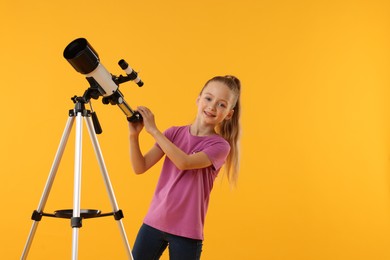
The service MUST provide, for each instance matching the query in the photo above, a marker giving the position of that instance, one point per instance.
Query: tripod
(76, 214)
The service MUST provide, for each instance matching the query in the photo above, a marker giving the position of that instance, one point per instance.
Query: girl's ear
(230, 115)
(197, 100)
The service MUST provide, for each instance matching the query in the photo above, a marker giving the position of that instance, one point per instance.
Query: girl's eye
(222, 105)
(208, 98)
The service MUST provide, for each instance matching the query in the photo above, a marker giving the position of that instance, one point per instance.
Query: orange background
(314, 181)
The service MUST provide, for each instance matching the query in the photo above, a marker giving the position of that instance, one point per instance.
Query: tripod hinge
(37, 216)
(118, 215)
(84, 112)
(76, 222)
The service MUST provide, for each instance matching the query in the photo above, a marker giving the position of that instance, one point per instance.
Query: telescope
(85, 60)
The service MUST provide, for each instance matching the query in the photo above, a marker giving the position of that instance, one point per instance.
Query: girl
(194, 155)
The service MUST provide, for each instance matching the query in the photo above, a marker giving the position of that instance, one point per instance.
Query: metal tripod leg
(107, 182)
(77, 186)
(49, 183)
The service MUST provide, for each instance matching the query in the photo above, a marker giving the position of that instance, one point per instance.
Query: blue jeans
(151, 243)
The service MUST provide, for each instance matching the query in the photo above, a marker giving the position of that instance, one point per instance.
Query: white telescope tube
(104, 78)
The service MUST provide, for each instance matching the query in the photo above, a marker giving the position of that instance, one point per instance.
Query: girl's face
(215, 103)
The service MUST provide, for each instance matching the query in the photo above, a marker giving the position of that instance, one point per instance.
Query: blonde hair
(230, 129)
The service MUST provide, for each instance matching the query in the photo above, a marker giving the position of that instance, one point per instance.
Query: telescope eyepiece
(133, 75)
(123, 64)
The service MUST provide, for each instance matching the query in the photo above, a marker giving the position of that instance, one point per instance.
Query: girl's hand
(135, 128)
(148, 120)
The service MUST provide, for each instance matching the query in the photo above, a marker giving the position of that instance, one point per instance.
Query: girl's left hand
(148, 119)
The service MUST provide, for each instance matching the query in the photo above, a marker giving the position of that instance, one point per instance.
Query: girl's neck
(201, 130)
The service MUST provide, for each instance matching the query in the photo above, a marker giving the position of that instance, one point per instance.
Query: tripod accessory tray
(76, 221)
(84, 213)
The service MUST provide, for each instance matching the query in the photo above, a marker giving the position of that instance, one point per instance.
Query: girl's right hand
(135, 128)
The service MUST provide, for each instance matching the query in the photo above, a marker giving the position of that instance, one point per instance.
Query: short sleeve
(168, 134)
(217, 152)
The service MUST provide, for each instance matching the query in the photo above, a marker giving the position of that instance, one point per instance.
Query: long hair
(230, 129)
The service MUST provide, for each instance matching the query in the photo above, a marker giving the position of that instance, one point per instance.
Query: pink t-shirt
(181, 198)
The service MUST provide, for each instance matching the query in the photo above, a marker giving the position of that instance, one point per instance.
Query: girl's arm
(141, 163)
(181, 160)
